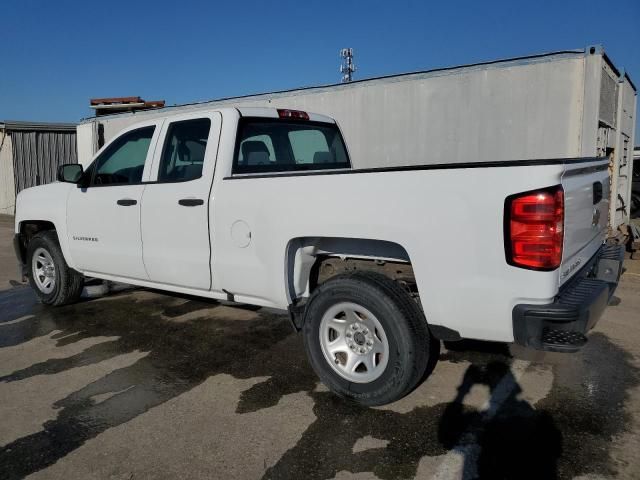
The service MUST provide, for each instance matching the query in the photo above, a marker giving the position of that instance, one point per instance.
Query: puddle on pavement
(567, 433)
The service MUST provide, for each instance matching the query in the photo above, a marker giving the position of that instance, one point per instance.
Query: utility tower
(347, 67)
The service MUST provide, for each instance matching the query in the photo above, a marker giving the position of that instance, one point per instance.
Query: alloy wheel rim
(44, 270)
(354, 343)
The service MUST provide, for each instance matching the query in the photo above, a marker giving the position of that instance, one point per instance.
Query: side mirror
(70, 172)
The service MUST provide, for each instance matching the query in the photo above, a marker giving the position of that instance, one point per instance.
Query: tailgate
(586, 208)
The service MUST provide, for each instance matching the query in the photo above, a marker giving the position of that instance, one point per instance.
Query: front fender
(46, 203)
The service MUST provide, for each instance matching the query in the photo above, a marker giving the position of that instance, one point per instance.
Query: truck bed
(397, 205)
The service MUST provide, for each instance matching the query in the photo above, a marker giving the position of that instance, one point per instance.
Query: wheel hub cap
(359, 338)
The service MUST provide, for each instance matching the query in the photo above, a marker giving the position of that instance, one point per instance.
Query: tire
(389, 327)
(49, 275)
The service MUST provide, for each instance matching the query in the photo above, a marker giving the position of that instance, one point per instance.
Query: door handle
(126, 202)
(190, 202)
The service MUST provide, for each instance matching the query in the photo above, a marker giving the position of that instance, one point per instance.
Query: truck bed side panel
(450, 222)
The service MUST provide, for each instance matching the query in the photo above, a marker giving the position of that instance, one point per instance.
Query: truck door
(103, 219)
(175, 204)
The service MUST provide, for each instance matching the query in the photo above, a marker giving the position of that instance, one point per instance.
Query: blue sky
(58, 54)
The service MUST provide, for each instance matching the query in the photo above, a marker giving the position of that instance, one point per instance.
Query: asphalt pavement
(146, 385)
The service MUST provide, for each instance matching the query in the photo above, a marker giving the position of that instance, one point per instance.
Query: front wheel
(366, 338)
(49, 275)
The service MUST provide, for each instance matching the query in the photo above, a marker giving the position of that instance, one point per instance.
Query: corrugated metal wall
(37, 155)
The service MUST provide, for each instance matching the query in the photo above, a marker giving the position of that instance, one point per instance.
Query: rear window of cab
(266, 145)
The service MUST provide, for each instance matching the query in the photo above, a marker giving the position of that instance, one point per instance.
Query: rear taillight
(534, 224)
(297, 114)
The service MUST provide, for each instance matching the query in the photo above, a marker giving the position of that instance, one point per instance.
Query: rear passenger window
(269, 145)
(307, 144)
(184, 148)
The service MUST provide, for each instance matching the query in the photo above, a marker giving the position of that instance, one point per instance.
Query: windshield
(271, 145)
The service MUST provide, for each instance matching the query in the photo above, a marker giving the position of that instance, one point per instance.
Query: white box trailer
(568, 104)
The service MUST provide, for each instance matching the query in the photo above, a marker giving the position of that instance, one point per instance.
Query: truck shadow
(509, 440)
(568, 433)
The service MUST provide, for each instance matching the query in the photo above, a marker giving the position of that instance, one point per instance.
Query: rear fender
(302, 254)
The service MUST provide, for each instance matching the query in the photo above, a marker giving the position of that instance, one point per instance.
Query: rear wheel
(49, 275)
(366, 338)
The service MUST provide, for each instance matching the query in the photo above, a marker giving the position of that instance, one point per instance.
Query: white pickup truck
(261, 206)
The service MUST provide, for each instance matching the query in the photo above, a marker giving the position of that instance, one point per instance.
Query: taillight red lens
(535, 225)
(284, 113)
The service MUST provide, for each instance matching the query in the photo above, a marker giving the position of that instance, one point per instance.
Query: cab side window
(184, 148)
(123, 161)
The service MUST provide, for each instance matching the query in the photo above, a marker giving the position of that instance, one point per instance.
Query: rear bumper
(561, 326)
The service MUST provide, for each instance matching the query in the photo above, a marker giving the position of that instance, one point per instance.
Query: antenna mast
(347, 67)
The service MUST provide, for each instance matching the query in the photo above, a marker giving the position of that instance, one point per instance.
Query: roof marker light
(296, 114)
